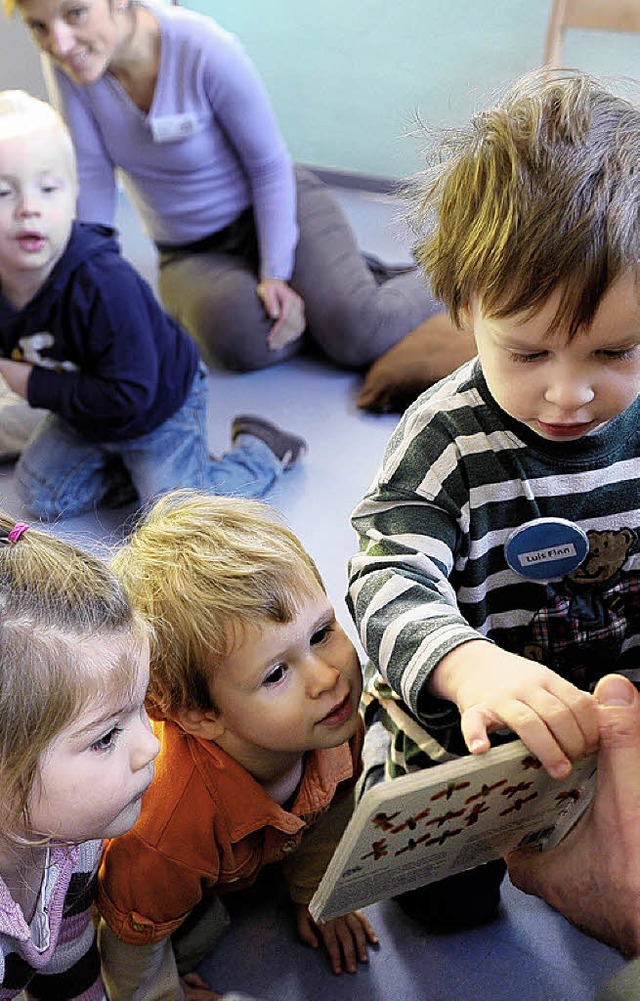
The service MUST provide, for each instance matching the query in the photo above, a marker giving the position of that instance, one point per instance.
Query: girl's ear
(201, 723)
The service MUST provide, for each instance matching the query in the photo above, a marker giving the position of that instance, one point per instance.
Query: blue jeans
(62, 474)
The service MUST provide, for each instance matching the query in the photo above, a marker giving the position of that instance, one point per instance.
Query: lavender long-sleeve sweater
(208, 148)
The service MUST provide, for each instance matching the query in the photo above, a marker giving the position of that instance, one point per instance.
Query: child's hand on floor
(345, 938)
(194, 988)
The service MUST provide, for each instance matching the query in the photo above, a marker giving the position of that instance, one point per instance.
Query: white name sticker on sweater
(169, 128)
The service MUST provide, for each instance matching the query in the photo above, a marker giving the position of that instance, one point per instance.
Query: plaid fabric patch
(580, 634)
(577, 629)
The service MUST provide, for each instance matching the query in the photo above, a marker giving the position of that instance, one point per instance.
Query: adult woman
(171, 99)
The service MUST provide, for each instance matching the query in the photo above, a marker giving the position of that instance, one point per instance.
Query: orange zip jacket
(207, 826)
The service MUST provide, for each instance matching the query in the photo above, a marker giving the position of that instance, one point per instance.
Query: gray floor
(530, 953)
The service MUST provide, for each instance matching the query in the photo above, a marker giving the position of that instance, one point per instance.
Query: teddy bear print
(589, 615)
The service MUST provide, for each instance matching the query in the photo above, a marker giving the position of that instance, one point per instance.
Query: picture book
(421, 827)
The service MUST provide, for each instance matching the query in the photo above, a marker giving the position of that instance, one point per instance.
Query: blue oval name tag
(546, 549)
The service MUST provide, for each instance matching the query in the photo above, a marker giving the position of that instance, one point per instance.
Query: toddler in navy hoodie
(83, 337)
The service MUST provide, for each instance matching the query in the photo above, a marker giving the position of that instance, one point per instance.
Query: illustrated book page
(421, 827)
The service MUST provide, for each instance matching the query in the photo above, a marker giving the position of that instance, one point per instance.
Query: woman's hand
(494, 689)
(593, 875)
(345, 938)
(284, 306)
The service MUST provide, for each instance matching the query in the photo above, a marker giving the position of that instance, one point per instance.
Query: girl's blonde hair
(52, 597)
(536, 194)
(202, 569)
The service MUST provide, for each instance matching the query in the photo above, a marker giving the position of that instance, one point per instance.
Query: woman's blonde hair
(539, 193)
(52, 597)
(202, 569)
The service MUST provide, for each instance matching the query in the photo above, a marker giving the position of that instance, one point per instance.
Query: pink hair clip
(18, 529)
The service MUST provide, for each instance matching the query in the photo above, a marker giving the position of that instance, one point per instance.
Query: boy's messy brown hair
(537, 194)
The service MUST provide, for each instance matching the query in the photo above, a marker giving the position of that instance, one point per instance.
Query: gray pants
(351, 317)
(152, 971)
(625, 986)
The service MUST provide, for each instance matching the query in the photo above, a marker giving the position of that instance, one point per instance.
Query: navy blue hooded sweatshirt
(105, 355)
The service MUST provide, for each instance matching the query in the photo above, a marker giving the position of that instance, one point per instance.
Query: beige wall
(19, 60)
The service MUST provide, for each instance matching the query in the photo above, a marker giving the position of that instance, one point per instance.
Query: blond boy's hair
(21, 114)
(204, 570)
(536, 194)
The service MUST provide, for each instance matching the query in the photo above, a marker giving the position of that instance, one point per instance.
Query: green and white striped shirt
(458, 476)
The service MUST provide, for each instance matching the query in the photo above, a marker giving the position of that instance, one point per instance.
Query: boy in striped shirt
(499, 564)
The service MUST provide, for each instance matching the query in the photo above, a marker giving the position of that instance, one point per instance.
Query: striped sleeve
(412, 525)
